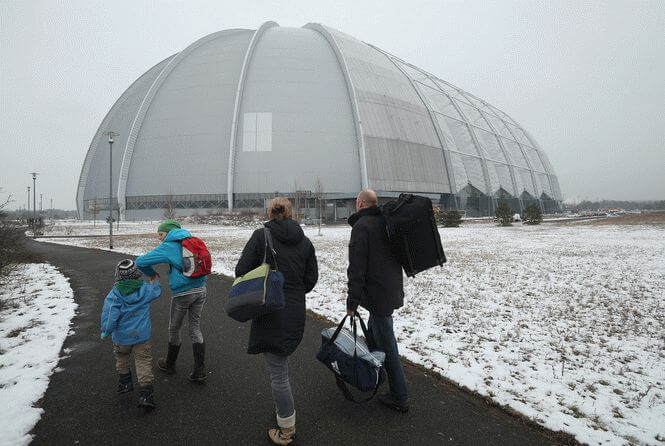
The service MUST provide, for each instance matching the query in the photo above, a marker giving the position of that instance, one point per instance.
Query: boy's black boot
(168, 365)
(146, 399)
(199, 372)
(125, 382)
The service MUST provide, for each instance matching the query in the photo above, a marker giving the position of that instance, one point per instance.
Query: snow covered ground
(37, 307)
(563, 323)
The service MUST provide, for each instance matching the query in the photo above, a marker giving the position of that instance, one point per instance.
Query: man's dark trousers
(383, 337)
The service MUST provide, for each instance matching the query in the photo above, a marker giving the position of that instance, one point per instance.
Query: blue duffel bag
(352, 362)
(260, 291)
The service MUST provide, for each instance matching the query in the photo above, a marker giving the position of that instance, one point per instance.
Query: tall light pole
(111, 134)
(34, 203)
(28, 208)
(40, 204)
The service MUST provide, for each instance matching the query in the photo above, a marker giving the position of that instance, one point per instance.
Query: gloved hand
(104, 335)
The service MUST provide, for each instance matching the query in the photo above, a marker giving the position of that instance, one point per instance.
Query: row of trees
(587, 205)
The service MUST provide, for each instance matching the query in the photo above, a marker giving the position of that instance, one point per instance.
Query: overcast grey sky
(585, 78)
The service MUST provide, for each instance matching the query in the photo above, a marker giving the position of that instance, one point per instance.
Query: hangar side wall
(295, 118)
(182, 145)
(401, 145)
(94, 182)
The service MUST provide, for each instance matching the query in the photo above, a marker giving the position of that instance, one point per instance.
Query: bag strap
(340, 382)
(339, 328)
(349, 396)
(268, 244)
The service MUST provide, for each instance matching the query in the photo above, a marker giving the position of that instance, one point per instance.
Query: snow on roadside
(565, 324)
(37, 307)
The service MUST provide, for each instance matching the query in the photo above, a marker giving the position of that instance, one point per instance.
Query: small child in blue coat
(126, 317)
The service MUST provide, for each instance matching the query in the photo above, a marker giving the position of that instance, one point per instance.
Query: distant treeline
(618, 204)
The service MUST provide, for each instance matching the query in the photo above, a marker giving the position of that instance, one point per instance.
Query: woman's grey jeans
(281, 388)
(190, 305)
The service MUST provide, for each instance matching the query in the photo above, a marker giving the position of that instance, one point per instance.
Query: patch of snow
(38, 307)
(565, 324)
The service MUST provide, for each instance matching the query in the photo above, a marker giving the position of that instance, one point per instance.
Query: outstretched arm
(154, 257)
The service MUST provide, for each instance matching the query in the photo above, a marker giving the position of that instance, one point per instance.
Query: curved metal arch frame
(142, 111)
(445, 150)
(483, 160)
(353, 97)
(230, 179)
(94, 144)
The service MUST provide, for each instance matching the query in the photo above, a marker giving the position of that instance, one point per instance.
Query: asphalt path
(235, 405)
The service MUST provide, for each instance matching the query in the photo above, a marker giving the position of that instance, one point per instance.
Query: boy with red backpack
(189, 263)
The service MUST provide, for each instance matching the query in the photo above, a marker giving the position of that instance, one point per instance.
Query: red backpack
(196, 260)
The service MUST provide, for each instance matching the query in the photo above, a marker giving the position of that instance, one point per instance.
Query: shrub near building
(504, 214)
(452, 218)
(533, 215)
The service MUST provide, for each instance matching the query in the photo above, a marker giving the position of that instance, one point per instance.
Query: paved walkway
(235, 406)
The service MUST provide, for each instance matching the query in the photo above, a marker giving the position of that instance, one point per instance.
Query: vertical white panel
(263, 132)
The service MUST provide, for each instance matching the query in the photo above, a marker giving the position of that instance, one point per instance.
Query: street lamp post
(28, 208)
(111, 134)
(34, 203)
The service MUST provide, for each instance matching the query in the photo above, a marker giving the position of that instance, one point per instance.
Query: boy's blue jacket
(127, 318)
(170, 251)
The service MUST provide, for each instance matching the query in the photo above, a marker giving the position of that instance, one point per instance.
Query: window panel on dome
(415, 74)
(527, 181)
(502, 174)
(490, 145)
(519, 135)
(467, 170)
(459, 171)
(495, 182)
(473, 100)
(500, 126)
(546, 162)
(440, 102)
(534, 159)
(543, 184)
(474, 172)
(451, 91)
(460, 132)
(502, 115)
(555, 186)
(515, 153)
(474, 116)
(449, 141)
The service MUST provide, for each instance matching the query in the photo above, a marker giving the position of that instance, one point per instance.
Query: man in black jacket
(375, 283)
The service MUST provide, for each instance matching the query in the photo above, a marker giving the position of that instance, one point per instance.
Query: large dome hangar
(242, 115)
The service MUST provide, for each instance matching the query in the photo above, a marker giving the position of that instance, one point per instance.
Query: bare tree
(169, 207)
(94, 210)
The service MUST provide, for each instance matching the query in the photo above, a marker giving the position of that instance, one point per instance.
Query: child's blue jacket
(170, 251)
(127, 318)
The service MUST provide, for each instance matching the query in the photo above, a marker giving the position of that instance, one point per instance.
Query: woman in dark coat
(277, 334)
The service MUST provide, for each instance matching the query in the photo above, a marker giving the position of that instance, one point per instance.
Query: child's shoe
(146, 400)
(125, 382)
